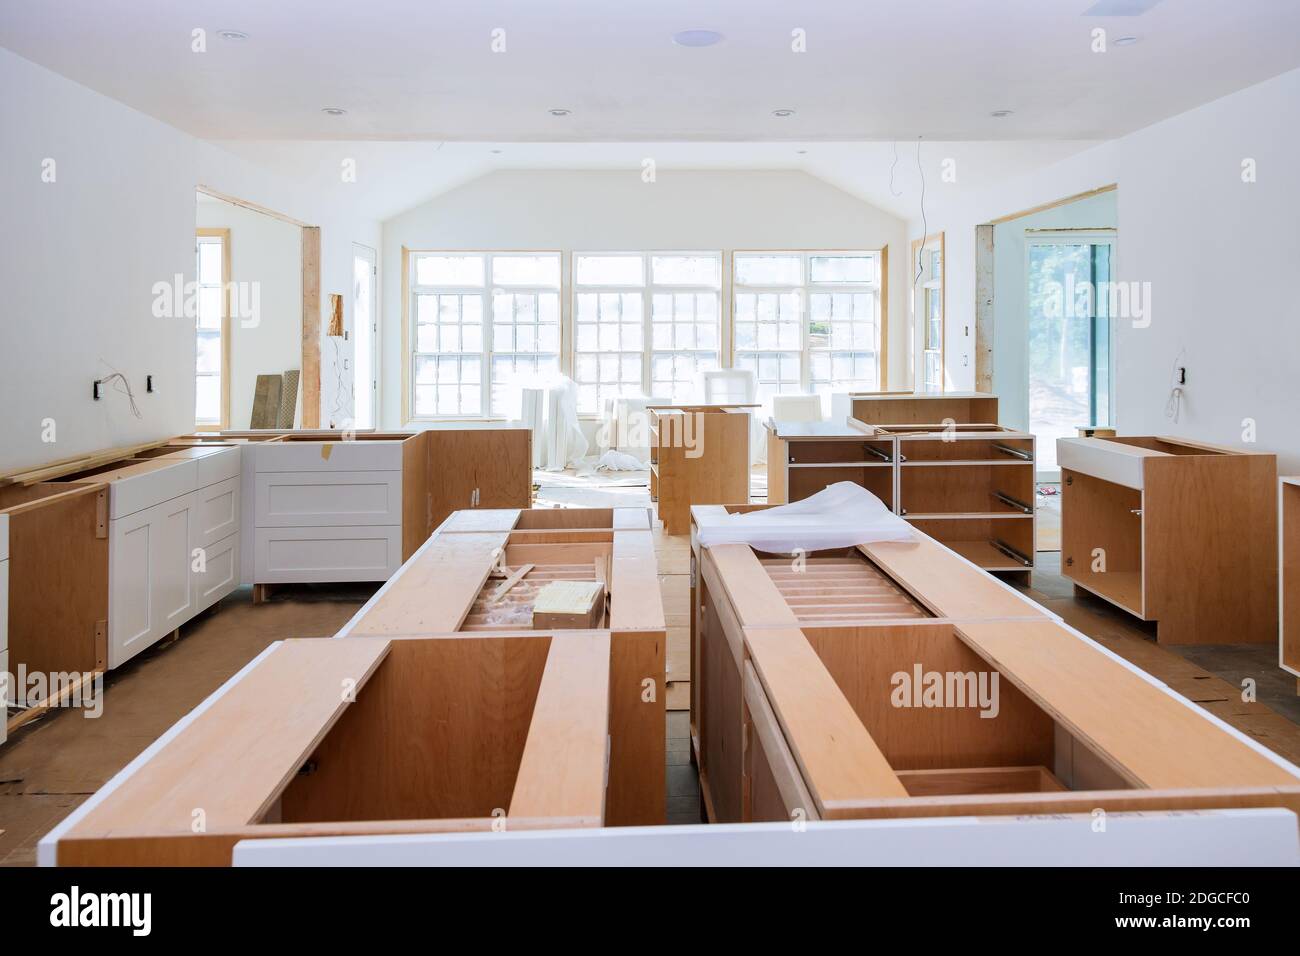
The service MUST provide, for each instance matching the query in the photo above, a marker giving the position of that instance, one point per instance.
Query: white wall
(1219, 255)
(615, 211)
(81, 255)
(267, 252)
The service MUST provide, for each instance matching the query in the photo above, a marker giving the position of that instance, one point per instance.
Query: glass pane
(449, 270)
(209, 353)
(210, 262)
(210, 300)
(1101, 336)
(609, 270)
(1060, 343)
(207, 399)
(526, 270)
(685, 270)
(768, 270)
(841, 268)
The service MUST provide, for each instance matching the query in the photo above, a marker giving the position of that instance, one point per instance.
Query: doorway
(1067, 282)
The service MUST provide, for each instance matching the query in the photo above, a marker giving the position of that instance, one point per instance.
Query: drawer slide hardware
(1014, 452)
(1013, 502)
(1014, 553)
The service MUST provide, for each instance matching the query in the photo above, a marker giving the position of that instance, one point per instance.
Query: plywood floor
(53, 764)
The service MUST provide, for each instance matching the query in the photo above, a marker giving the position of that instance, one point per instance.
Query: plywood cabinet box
(1174, 531)
(446, 590)
(970, 486)
(173, 529)
(371, 736)
(55, 596)
(699, 454)
(925, 408)
(827, 709)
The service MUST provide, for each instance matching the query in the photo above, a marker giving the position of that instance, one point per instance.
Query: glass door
(1068, 295)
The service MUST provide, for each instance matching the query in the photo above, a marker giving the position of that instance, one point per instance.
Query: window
(807, 321)
(927, 266)
(485, 324)
(644, 323)
(212, 328)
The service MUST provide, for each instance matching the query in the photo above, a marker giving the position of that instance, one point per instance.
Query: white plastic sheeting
(565, 443)
(840, 516)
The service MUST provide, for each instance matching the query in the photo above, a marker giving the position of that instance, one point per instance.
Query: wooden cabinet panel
(478, 468)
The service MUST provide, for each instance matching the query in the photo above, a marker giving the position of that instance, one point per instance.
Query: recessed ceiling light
(559, 111)
(496, 152)
(1126, 41)
(802, 152)
(1000, 114)
(783, 112)
(232, 34)
(697, 38)
(334, 111)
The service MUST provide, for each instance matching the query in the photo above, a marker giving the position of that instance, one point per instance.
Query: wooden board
(562, 770)
(1149, 737)
(836, 755)
(433, 592)
(227, 763)
(439, 732)
(266, 401)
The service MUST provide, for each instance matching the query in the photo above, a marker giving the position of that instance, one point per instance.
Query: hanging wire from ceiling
(925, 227)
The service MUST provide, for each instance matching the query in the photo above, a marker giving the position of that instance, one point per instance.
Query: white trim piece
(1111, 461)
(1255, 837)
(47, 848)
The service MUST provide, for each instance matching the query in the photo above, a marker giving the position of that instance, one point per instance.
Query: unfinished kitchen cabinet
(970, 486)
(371, 736)
(1174, 531)
(699, 454)
(476, 581)
(54, 599)
(805, 457)
(1289, 562)
(478, 468)
(925, 408)
(815, 701)
(170, 511)
(911, 583)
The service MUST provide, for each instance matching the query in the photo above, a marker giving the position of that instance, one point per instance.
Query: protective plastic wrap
(839, 516)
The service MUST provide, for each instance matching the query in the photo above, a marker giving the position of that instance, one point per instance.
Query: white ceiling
(873, 70)
(392, 177)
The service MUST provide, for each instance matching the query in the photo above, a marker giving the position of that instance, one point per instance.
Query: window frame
(221, 235)
(411, 290)
(647, 289)
(878, 287)
(922, 291)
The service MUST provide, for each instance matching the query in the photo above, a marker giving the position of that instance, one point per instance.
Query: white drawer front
(1091, 457)
(328, 456)
(285, 555)
(220, 574)
(130, 495)
(315, 499)
(218, 466)
(216, 512)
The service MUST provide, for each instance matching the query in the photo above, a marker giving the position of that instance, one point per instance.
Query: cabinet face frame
(1289, 577)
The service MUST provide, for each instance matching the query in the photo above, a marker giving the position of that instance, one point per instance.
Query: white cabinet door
(216, 513)
(173, 577)
(132, 552)
(151, 586)
(218, 574)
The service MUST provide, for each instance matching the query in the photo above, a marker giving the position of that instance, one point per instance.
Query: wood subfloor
(54, 763)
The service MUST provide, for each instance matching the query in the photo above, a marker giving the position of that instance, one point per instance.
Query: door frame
(362, 251)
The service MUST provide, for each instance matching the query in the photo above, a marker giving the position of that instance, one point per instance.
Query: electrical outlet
(94, 389)
(148, 383)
